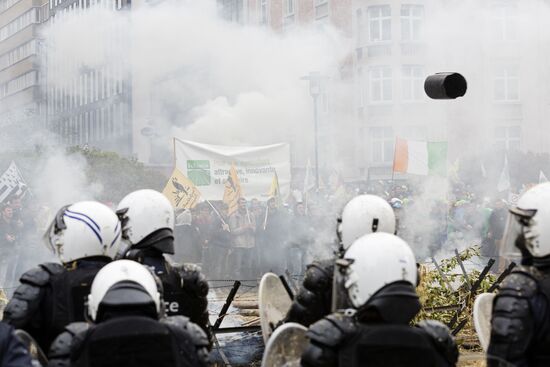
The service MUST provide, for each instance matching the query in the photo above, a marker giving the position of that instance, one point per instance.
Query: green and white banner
(208, 167)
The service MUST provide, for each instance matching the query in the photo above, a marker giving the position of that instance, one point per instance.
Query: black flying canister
(445, 86)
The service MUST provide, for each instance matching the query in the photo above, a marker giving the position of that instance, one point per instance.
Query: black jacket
(12, 351)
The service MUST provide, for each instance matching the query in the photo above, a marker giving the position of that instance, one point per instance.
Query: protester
(273, 238)
(242, 225)
(187, 246)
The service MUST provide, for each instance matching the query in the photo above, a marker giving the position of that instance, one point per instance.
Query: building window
(379, 23)
(18, 84)
(507, 84)
(382, 144)
(411, 22)
(321, 9)
(289, 7)
(29, 17)
(360, 27)
(380, 84)
(18, 54)
(505, 22)
(263, 11)
(5, 4)
(412, 82)
(508, 137)
(288, 20)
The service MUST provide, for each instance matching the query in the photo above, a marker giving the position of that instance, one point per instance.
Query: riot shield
(285, 346)
(483, 308)
(274, 303)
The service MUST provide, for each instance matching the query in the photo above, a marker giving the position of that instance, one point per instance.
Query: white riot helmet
(120, 284)
(529, 221)
(144, 212)
(362, 215)
(374, 261)
(83, 229)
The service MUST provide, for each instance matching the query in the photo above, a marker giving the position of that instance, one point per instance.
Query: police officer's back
(362, 215)
(378, 277)
(84, 236)
(520, 324)
(128, 327)
(148, 226)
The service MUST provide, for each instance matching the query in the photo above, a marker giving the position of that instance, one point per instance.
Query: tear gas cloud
(213, 81)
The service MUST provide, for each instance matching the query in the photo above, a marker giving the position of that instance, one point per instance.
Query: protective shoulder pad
(332, 330)
(520, 284)
(61, 346)
(319, 275)
(28, 295)
(182, 323)
(40, 276)
(193, 279)
(442, 338)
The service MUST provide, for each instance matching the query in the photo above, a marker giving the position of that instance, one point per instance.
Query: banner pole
(393, 163)
(265, 218)
(216, 211)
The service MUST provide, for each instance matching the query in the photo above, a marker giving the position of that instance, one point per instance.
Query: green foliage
(118, 175)
(451, 289)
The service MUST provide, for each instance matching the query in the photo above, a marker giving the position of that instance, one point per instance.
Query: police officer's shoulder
(27, 297)
(442, 338)
(332, 329)
(520, 283)
(183, 324)
(41, 275)
(61, 346)
(192, 278)
(319, 274)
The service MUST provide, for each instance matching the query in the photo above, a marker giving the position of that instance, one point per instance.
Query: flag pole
(393, 163)
(265, 218)
(248, 215)
(215, 211)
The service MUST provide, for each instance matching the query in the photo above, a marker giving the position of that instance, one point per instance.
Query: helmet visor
(339, 292)
(56, 227)
(518, 219)
(48, 237)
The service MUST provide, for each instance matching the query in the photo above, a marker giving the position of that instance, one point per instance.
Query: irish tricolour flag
(420, 157)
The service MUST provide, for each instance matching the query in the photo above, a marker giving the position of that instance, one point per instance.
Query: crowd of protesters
(272, 236)
(258, 237)
(284, 235)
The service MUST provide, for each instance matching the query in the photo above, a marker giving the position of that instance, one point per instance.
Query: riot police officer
(361, 215)
(378, 278)
(126, 308)
(520, 324)
(84, 236)
(148, 227)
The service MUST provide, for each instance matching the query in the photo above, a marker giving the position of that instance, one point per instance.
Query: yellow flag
(232, 192)
(181, 191)
(275, 191)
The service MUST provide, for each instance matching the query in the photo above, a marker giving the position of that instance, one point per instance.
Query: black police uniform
(379, 334)
(313, 301)
(185, 287)
(137, 341)
(520, 325)
(50, 297)
(12, 351)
